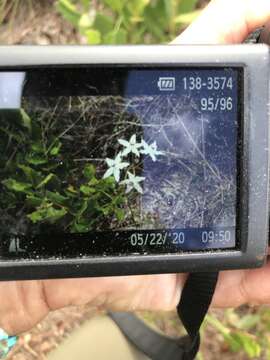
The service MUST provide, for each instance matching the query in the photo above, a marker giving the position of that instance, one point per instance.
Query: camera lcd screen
(118, 160)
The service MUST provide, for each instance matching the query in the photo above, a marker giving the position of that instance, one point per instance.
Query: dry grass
(34, 22)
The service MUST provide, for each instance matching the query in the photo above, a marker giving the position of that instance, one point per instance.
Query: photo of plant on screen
(80, 164)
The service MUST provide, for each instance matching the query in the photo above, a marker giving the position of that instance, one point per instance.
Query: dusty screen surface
(108, 161)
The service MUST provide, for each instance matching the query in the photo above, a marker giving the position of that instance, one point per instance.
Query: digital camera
(118, 160)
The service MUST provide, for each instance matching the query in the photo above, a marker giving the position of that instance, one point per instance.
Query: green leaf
(93, 182)
(236, 340)
(154, 24)
(37, 148)
(93, 36)
(56, 198)
(36, 160)
(248, 321)
(187, 18)
(72, 189)
(159, 15)
(169, 9)
(87, 190)
(17, 186)
(103, 23)
(68, 10)
(116, 37)
(186, 6)
(105, 210)
(45, 181)
(31, 175)
(119, 199)
(56, 148)
(115, 5)
(233, 343)
(87, 20)
(26, 121)
(224, 331)
(12, 135)
(108, 182)
(81, 227)
(248, 343)
(120, 214)
(82, 209)
(86, 4)
(47, 214)
(37, 133)
(137, 35)
(136, 7)
(89, 171)
(33, 200)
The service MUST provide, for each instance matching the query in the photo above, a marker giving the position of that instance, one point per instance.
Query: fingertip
(226, 21)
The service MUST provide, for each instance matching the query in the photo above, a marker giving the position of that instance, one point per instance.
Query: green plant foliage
(69, 11)
(37, 182)
(122, 21)
(246, 332)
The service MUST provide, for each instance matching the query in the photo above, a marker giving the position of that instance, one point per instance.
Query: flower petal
(123, 142)
(110, 162)
(133, 139)
(124, 182)
(129, 188)
(116, 174)
(143, 152)
(122, 165)
(130, 176)
(126, 151)
(108, 173)
(118, 158)
(140, 178)
(135, 151)
(154, 145)
(138, 188)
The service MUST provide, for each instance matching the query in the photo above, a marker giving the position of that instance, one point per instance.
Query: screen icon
(166, 83)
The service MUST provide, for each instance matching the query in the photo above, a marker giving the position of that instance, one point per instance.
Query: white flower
(115, 166)
(151, 150)
(133, 182)
(131, 146)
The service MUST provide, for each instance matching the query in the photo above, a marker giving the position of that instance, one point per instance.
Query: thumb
(226, 22)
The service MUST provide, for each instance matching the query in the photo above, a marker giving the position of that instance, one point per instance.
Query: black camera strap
(194, 303)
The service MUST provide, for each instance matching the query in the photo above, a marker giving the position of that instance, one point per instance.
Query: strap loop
(194, 303)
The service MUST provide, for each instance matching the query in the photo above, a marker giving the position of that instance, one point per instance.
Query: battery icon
(166, 83)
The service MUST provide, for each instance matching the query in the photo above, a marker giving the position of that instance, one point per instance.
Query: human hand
(24, 303)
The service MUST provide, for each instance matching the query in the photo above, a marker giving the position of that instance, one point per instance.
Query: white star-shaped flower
(133, 182)
(130, 146)
(115, 166)
(151, 150)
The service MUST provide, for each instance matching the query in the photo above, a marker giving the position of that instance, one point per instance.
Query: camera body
(173, 175)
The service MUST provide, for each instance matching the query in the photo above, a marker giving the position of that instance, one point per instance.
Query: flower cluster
(115, 166)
